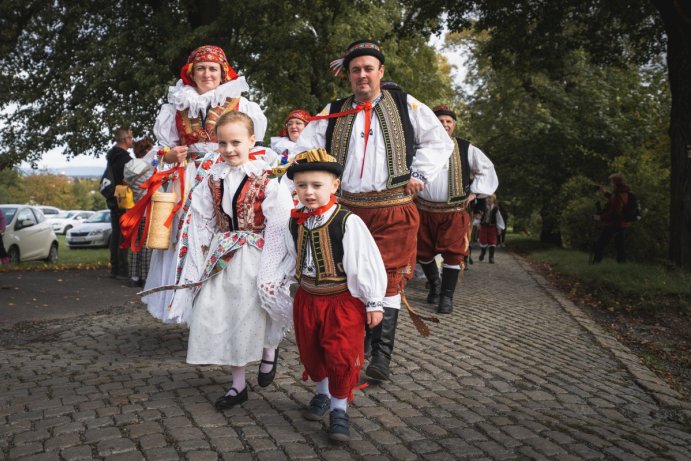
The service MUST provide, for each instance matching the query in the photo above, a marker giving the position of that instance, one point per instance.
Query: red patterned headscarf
(207, 53)
(300, 115)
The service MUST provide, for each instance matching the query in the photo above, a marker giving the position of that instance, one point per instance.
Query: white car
(49, 211)
(66, 220)
(28, 235)
(94, 232)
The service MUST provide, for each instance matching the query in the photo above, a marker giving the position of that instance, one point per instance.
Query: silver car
(94, 232)
(28, 235)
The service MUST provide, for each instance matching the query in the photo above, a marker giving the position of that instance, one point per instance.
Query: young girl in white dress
(231, 243)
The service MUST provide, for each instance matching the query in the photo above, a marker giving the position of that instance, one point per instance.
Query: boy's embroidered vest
(399, 138)
(489, 217)
(194, 130)
(326, 243)
(247, 205)
(459, 171)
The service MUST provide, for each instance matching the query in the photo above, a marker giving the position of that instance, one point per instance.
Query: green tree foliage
(50, 189)
(538, 36)
(72, 71)
(540, 132)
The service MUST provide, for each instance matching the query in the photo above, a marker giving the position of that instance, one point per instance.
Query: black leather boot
(382, 346)
(491, 255)
(483, 250)
(432, 273)
(449, 278)
(368, 342)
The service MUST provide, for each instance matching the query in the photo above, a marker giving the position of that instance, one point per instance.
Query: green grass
(636, 286)
(82, 258)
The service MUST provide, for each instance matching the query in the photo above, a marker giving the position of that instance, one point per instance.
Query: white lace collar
(186, 97)
(252, 168)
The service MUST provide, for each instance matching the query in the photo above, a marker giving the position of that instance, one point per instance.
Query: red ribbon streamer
(129, 222)
(301, 217)
(367, 107)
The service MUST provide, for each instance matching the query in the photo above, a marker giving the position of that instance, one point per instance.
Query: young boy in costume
(342, 284)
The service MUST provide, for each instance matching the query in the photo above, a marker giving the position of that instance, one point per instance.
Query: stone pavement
(516, 372)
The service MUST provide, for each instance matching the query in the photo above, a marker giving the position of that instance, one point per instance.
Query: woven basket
(162, 204)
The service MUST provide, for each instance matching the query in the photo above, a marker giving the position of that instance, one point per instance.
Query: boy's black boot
(382, 346)
(432, 273)
(483, 250)
(491, 255)
(449, 278)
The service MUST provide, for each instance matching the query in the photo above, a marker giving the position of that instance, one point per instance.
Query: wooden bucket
(162, 204)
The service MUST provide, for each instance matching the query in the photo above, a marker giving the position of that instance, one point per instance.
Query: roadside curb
(644, 377)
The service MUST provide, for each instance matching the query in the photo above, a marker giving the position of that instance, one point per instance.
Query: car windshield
(9, 213)
(65, 214)
(101, 216)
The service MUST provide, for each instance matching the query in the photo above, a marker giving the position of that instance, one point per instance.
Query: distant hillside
(89, 172)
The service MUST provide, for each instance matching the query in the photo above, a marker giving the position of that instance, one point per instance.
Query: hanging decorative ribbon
(367, 107)
(129, 222)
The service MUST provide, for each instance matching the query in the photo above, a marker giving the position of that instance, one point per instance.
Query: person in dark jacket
(117, 157)
(612, 218)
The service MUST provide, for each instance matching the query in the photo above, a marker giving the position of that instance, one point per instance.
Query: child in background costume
(491, 224)
(342, 284)
(236, 221)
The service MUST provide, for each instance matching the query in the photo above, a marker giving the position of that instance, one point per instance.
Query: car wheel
(53, 254)
(13, 253)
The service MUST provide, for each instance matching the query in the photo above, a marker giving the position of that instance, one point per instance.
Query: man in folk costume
(444, 219)
(390, 146)
(186, 148)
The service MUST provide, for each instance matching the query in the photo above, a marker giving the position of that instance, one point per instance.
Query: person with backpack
(621, 209)
(117, 157)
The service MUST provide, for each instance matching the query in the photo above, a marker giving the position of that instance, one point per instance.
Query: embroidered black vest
(459, 171)
(489, 217)
(247, 204)
(326, 242)
(399, 138)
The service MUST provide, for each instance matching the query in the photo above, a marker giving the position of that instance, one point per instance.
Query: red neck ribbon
(367, 107)
(300, 217)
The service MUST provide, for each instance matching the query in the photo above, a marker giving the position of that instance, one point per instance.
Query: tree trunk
(676, 15)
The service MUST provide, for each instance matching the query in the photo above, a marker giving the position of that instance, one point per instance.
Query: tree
(71, 71)
(534, 35)
(541, 131)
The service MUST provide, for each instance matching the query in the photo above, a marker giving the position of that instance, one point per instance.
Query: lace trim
(186, 97)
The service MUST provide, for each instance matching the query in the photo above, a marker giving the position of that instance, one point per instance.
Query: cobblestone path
(516, 372)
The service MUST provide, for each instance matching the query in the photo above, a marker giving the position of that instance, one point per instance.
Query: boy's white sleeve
(363, 265)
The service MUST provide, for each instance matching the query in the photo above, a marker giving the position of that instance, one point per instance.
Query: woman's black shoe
(264, 379)
(228, 401)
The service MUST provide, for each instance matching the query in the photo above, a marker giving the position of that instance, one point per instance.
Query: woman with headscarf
(186, 136)
(284, 143)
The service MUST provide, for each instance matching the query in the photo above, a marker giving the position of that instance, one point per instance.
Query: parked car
(66, 220)
(48, 211)
(94, 232)
(28, 235)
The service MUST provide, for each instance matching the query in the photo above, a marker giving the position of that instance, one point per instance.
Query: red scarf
(367, 107)
(301, 217)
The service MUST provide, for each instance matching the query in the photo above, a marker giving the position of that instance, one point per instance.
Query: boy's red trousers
(330, 333)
